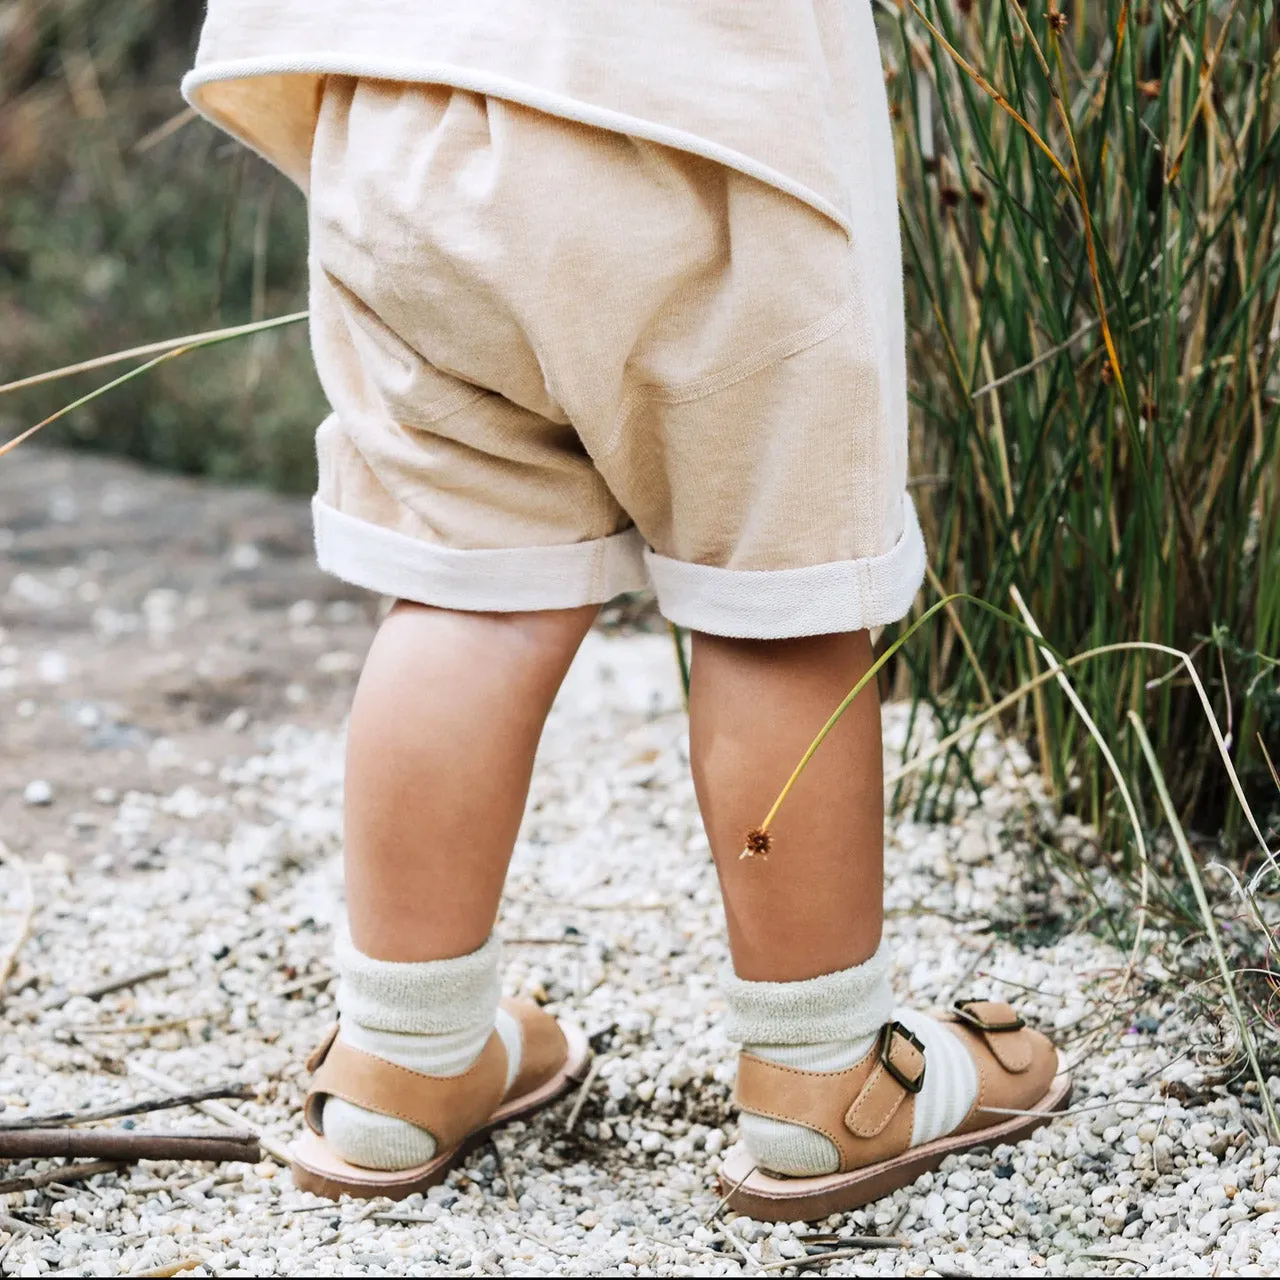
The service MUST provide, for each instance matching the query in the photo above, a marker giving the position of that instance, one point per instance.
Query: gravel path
(229, 876)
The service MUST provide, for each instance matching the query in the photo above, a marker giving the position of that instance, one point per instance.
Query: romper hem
(782, 604)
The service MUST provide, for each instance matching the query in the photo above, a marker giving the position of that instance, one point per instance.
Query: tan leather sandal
(867, 1112)
(458, 1111)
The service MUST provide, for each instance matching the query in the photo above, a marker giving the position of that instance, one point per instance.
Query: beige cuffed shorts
(566, 363)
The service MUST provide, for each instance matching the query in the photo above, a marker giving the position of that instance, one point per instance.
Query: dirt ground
(147, 620)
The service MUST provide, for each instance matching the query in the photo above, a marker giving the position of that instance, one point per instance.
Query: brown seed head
(758, 844)
(1149, 88)
(950, 197)
(1057, 19)
(965, 6)
(1108, 373)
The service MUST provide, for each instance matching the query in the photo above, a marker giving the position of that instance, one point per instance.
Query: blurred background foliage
(1127, 495)
(123, 221)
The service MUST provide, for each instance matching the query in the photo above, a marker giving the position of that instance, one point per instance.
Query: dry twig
(581, 1099)
(109, 986)
(66, 1173)
(135, 1107)
(127, 1144)
(225, 1115)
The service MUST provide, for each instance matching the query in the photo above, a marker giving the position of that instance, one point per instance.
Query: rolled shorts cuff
(780, 604)
(484, 581)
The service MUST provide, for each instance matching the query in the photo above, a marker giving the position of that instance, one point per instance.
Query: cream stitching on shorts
(683, 393)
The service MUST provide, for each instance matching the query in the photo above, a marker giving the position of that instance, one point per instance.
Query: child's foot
(425, 1061)
(845, 1098)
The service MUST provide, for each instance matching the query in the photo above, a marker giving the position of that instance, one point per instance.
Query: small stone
(52, 667)
(37, 793)
(245, 557)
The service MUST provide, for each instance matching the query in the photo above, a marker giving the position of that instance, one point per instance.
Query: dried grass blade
(1210, 923)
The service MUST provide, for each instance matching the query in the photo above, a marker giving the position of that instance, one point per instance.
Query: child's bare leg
(443, 733)
(811, 990)
(816, 904)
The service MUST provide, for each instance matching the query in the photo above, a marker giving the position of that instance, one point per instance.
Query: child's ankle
(827, 1023)
(830, 1024)
(433, 1017)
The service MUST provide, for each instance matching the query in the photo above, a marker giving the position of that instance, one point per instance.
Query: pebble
(236, 885)
(37, 793)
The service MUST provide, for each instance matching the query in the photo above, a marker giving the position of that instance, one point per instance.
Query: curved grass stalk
(210, 339)
(758, 840)
(682, 659)
(93, 395)
(1210, 924)
(1095, 733)
(153, 348)
(916, 763)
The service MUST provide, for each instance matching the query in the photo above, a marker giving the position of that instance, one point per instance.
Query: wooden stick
(315, 980)
(13, 1225)
(135, 1108)
(110, 986)
(225, 1115)
(64, 1173)
(582, 1094)
(133, 1028)
(127, 1144)
(861, 1243)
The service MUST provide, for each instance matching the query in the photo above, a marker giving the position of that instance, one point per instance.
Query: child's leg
(816, 904)
(443, 733)
(811, 992)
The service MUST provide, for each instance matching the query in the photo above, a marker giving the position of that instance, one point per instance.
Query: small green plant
(1093, 267)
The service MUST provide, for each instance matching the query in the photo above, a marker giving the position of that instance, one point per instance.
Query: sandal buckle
(892, 1030)
(966, 1014)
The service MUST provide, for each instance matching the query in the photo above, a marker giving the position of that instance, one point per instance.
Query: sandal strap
(875, 1126)
(897, 1075)
(1001, 1030)
(447, 1107)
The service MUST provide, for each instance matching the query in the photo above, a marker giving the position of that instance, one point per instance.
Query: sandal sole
(767, 1199)
(318, 1169)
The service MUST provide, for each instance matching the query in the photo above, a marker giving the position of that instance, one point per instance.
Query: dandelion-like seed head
(758, 844)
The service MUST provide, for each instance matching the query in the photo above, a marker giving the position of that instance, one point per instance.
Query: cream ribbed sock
(433, 1017)
(828, 1024)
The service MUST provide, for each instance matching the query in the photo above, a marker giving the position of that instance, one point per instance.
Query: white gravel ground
(612, 915)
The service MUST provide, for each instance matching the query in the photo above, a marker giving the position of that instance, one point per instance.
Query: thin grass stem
(1210, 923)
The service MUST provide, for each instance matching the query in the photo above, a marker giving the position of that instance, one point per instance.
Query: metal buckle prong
(892, 1029)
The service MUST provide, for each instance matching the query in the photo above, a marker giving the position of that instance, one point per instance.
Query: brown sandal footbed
(317, 1167)
(761, 1196)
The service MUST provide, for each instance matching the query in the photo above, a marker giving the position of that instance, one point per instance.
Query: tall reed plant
(1093, 271)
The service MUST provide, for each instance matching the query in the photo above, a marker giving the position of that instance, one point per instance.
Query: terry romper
(602, 296)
